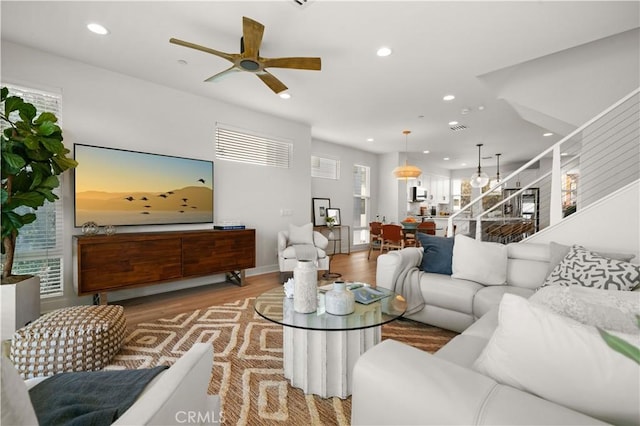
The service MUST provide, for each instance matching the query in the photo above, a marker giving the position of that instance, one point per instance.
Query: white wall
(340, 192)
(103, 108)
(611, 224)
(573, 85)
(390, 203)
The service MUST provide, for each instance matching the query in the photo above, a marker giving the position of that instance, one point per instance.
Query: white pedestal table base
(321, 362)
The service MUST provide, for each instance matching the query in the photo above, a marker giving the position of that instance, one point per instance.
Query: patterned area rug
(248, 371)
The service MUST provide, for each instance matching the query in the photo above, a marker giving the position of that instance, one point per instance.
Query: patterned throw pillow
(588, 269)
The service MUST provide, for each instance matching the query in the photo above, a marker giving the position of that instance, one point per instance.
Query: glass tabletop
(274, 306)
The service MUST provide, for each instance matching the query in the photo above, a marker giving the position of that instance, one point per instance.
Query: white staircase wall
(611, 224)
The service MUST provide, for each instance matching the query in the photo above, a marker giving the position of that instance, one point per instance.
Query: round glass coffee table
(320, 349)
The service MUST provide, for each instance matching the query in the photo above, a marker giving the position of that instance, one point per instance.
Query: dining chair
(392, 237)
(375, 236)
(427, 227)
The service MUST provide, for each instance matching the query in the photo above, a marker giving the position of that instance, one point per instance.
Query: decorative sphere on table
(90, 228)
(109, 230)
(339, 300)
(305, 293)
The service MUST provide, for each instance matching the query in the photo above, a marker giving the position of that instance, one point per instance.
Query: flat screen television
(121, 187)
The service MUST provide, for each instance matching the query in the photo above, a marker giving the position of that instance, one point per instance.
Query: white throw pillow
(583, 267)
(562, 361)
(301, 234)
(611, 310)
(479, 261)
(16, 404)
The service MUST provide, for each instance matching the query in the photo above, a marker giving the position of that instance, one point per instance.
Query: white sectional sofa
(454, 303)
(518, 361)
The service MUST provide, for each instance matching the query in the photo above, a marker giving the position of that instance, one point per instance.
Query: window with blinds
(234, 145)
(325, 167)
(39, 248)
(361, 198)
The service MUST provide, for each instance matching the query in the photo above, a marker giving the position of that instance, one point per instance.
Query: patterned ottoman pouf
(79, 338)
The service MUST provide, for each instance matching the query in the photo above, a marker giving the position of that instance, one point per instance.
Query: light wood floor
(353, 267)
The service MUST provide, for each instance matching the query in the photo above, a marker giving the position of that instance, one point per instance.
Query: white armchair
(300, 236)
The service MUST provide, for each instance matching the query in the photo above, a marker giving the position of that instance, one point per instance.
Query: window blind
(234, 145)
(39, 248)
(325, 167)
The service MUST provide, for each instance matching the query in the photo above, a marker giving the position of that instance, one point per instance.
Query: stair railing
(623, 114)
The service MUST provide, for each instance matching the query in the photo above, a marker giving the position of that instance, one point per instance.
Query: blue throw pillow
(438, 252)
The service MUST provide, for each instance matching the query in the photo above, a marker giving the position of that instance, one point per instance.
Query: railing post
(555, 201)
(479, 228)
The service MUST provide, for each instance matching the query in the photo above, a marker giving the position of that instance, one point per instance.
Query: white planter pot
(20, 304)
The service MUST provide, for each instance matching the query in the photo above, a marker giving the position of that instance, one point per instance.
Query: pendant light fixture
(407, 171)
(479, 178)
(498, 168)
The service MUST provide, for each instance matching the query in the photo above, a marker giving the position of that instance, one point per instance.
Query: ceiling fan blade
(228, 56)
(297, 63)
(270, 80)
(223, 74)
(252, 32)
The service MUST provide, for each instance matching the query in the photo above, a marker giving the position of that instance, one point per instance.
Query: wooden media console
(122, 261)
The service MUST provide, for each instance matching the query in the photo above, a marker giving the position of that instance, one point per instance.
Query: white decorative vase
(305, 293)
(339, 300)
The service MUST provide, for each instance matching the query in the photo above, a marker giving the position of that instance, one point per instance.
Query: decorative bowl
(409, 225)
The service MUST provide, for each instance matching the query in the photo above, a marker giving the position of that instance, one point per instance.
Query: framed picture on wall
(335, 214)
(320, 206)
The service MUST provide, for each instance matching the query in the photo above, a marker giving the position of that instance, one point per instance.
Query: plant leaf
(12, 103)
(621, 346)
(14, 161)
(46, 116)
(32, 199)
(47, 128)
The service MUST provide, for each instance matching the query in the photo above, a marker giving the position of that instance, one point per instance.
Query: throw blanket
(88, 397)
(306, 252)
(406, 280)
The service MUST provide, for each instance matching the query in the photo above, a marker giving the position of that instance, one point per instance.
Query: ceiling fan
(249, 58)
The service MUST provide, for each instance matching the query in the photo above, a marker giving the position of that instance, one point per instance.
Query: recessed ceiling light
(448, 97)
(446, 158)
(285, 95)
(425, 152)
(97, 29)
(548, 134)
(564, 154)
(369, 139)
(383, 51)
(453, 123)
(463, 164)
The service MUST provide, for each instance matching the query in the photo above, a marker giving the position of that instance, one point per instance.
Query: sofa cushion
(479, 261)
(438, 252)
(301, 234)
(290, 253)
(611, 310)
(583, 267)
(557, 252)
(562, 361)
(446, 292)
(489, 298)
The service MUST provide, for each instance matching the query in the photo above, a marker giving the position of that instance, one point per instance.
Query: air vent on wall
(458, 127)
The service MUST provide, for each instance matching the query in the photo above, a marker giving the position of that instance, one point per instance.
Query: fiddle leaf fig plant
(33, 156)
